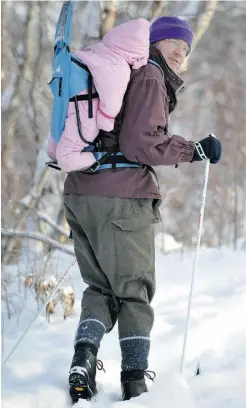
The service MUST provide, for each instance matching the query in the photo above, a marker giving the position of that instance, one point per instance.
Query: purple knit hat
(171, 27)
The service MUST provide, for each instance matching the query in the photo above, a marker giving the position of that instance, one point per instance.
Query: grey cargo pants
(114, 246)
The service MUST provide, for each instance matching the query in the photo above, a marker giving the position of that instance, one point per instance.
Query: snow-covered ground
(36, 374)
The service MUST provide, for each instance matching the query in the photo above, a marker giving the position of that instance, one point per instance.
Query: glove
(208, 148)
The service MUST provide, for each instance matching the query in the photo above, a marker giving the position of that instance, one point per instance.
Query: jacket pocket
(134, 245)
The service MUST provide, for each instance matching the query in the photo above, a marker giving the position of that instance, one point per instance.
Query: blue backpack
(70, 77)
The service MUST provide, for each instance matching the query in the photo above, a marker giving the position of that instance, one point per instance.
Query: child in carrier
(110, 62)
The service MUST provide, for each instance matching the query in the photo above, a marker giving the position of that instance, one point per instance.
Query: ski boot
(82, 375)
(133, 383)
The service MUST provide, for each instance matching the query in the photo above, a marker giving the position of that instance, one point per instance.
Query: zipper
(60, 86)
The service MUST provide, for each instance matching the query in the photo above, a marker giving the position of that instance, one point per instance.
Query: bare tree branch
(37, 237)
(204, 21)
(45, 218)
(38, 191)
(108, 18)
(202, 25)
(5, 297)
(157, 8)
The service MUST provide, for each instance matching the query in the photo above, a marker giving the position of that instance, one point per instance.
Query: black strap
(153, 172)
(66, 46)
(90, 94)
(80, 64)
(90, 84)
(83, 97)
(89, 97)
(53, 164)
(114, 159)
(79, 123)
(97, 164)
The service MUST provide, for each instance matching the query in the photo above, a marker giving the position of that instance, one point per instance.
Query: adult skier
(111, 214)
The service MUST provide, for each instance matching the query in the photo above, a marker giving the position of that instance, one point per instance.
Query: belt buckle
(95, 167)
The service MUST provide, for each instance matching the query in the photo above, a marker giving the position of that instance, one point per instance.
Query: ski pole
(38, 314)
(199, 234)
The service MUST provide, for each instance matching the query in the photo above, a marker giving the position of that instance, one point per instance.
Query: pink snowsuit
(109, 62)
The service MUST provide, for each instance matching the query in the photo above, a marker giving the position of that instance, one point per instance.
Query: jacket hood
(131, 41)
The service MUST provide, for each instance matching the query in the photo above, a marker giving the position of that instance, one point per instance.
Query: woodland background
(33, 221)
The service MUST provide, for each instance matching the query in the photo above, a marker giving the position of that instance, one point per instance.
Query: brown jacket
(142, 138)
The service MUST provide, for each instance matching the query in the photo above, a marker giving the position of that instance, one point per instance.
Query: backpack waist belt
(111, 160)
(104, 160)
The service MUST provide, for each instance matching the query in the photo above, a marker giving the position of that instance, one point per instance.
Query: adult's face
(174, 52)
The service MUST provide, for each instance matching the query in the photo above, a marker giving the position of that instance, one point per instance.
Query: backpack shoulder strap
(150, 61)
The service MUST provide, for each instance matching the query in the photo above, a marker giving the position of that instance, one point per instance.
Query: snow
(167, 242)
(68, 290)
(52, 280)
(36, 374)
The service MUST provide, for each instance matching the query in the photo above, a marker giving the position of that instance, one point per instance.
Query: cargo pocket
(147, 206)
(134, 244)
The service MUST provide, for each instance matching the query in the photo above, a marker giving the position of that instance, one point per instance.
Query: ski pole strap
(200, 151)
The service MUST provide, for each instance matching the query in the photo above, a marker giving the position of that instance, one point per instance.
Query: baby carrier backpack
(70, 78)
